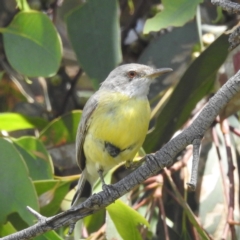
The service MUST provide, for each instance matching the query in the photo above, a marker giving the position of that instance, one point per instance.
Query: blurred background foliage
(53, 56)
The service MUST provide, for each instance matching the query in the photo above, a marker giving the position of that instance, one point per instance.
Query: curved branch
(153, 163)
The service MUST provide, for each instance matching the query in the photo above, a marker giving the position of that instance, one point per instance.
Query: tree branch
(230, 7)
(227, 5)
(153, 163)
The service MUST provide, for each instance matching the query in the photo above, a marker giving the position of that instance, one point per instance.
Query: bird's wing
(83, 127)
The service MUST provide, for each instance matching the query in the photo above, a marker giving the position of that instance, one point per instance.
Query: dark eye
(132, 74)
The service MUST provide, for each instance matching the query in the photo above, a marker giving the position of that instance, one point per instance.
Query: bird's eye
(132, 74)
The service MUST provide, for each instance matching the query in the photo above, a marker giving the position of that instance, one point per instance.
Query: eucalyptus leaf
(126, 220)
(36, 157)
(7, 229)
(51, 235)
(32, 44)
(16, 121)
(94, 32)
(62, 130)
(16, 188)
(196, 82)
(51, 193)
(23, 5)
(175, 13)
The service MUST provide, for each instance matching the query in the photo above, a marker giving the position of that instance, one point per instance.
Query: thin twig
(196, 155)
(141, 203)
(225, 129)
(36, 214)
(162, 213)
(234, 222)
(100, 232)
(223, 176)
(70, 91)
(183, 203)
(183, 162)
(235, 130)
(133, 20)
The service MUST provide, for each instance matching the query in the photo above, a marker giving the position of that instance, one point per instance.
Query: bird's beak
(158, 72)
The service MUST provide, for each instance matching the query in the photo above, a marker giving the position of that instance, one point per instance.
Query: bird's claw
(108, 188)
(133, 165)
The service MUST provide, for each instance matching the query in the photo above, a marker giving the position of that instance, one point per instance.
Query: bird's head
(132, 79)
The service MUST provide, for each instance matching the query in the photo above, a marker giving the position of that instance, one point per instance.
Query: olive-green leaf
(36, 157)
(51, 235)
(32, 44)
(196, 82)
(51, 193)
(7, 229)
(175, 13)
(23, 5)
(62, 130)
(16, 188)
(94, 32)
(16, 121)
(126, 220)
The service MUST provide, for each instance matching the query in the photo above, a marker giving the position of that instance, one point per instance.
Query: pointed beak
(158, 72)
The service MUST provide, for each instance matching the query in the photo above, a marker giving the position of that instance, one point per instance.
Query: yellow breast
(121, 121)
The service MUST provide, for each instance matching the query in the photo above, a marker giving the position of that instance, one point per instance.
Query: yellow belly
(121, 121)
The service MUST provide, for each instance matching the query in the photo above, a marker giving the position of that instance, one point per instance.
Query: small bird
(114, 124)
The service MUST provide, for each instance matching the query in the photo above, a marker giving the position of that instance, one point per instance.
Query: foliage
(105, 28)
(42, 83)
(29, 38)
(175, 13)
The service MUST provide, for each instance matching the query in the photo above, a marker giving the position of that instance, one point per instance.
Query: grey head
(132, 79)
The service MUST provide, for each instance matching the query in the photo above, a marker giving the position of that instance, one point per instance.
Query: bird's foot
(71, 229)
(109, 189)
(133, 165)
(128, 164)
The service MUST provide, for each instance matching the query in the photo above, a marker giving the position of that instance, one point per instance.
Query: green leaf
(195, 83)
(94, 221)
(175, 13)
(51, 193)
(42, 186)
(62, 130)
(94, 32)
(36, 157)
(17, 222)
(52, 235)
(7, 229)
(23, 5)
(15, 121)
(187, 212)
(111, 230)
(157, 54)
(32, 44)
(126, 220)
(15, 185)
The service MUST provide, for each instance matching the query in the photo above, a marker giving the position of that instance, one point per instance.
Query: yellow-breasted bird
(114, 124)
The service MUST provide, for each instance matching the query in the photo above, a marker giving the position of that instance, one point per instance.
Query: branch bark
(152, 164)
(230, 7)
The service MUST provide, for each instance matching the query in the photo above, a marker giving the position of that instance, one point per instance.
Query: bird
(113, 124)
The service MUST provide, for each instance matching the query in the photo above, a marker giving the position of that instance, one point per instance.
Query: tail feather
(84, 190)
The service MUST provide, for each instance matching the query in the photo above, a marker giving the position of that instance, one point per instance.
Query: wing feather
(83, 127)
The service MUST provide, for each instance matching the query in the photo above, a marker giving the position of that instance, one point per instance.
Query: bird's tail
(84, 190)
